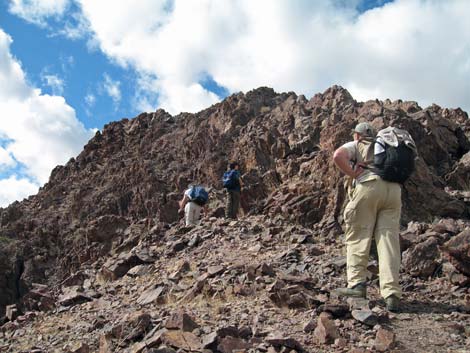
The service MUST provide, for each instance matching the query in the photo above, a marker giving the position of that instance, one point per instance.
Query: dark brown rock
(422, 259)
(336, 310)
(278, 340)
(115, 268)
(73, 295)
(12, 312)
(458, 250)
(230, 344)
(367, 317)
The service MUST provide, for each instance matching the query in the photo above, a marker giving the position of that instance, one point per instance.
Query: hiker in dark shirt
(233, 183)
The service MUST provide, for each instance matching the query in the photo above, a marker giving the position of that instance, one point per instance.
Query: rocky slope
(97, 260)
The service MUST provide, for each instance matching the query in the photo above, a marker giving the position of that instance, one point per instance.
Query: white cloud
(6, 160)
(112, 89)
(90, 100)
(37, 11)
(54, 82)
(410, 49)
(13, 189)
(39, 131)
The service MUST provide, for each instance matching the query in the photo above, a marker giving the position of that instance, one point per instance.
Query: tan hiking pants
(192, 213)
(374, 211)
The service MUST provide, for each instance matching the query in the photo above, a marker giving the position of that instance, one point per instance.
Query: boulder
(423, 259)
(458, 251)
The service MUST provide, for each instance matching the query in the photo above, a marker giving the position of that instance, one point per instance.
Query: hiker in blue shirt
(232, 183)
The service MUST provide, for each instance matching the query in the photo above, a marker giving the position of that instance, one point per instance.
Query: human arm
(183, 202)
(343, 162)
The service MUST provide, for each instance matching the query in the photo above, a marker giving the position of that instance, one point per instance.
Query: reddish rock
(106, 344)
(153, 339)
(384, 340)
(458, 251)
(182, 321)
(132, 326)
(326, 331)
(182, 340)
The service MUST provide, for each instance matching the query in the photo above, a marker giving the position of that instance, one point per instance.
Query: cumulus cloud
(54, 82)
(37, 11)
(38, 130)
(112, 89)
(90, 100)
(411, 49)
(6, 160)
(13, 189)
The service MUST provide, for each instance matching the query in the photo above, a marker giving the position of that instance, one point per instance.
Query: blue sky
(82, 70)
(68, 67)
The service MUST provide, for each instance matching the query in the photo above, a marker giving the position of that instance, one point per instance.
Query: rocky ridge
(99, 254)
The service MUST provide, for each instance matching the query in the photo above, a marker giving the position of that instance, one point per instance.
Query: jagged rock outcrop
(122, 191)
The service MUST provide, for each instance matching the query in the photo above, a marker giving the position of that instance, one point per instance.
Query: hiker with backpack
(232, 183)
(376, 167)
(193, 202)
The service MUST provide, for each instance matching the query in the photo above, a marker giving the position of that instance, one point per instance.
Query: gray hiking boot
(358, 291)
(392, 303)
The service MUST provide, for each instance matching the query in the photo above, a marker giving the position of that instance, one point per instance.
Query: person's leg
(187, 214)
(388, 242)
(229, 204)
(236, 203)
(191, 218)
(197, 213)
(359, 217)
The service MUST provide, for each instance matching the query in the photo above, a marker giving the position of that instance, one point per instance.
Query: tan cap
(365, 130)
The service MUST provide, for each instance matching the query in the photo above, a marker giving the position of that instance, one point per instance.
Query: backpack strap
(367, 153)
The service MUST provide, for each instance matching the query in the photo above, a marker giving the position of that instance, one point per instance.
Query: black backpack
(400, 153)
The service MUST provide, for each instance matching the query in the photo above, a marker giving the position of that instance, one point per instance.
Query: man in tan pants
(372, 211)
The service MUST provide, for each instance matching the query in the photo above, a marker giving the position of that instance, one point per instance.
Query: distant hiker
(193, 202)
(232, 183)
(376, 169)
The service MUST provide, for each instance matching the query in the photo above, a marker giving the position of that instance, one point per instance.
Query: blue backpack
(198, 195)
(230, 180)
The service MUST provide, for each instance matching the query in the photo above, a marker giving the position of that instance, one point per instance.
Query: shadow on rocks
(428, 307)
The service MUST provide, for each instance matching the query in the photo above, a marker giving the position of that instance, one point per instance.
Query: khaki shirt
(360, 152)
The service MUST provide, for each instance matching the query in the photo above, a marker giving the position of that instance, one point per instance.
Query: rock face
(104, 215)
(458, 249)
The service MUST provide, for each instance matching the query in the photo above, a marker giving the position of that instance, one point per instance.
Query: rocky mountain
(98, 260)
